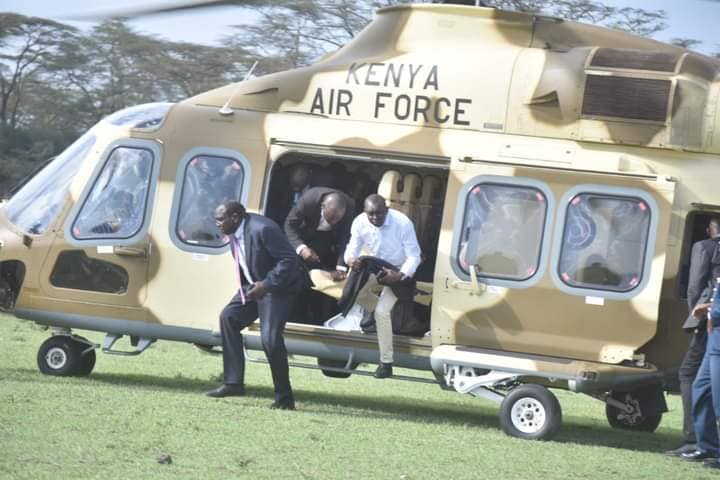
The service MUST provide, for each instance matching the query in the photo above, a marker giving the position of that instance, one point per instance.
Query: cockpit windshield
(33, 208)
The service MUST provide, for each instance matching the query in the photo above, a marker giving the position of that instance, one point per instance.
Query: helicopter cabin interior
(416, 189)
(696, 224)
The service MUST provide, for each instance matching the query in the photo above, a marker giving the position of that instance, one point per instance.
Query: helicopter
(556, 184)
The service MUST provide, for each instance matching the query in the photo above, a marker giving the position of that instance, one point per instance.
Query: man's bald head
(334, 206)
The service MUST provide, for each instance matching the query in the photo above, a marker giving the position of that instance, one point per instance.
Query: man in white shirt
(389, 235)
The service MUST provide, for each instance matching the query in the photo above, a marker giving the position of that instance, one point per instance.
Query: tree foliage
(56, 81)
(26, 45)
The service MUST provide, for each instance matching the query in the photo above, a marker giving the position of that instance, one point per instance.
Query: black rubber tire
(60, 356)
(530, 404)
(323, 362)
(87, 361)
(640, 423)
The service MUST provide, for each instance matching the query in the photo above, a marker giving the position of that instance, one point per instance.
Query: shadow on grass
(483, 415)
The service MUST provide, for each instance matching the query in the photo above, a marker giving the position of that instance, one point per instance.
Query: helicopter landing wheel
(636, 420)
(531, 412)
(63, 356)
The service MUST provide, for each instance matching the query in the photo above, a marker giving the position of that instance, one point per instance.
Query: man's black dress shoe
(697, 455)
(384, 370)
(684, 448)
(226, 390)
(283, 405)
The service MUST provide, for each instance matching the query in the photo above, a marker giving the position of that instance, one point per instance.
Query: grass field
(119, 421)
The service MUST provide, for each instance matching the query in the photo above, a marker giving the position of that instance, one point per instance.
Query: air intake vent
(629, 98)
(635, 59)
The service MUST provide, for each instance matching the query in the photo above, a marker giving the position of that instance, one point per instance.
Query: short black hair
(233, 206)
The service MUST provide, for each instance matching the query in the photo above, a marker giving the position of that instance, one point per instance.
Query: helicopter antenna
(226, 110)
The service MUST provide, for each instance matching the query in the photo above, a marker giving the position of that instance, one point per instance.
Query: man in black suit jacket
(700, 286)
(318, 227)
(266, 263)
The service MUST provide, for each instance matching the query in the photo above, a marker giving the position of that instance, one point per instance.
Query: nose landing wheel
(65, 356)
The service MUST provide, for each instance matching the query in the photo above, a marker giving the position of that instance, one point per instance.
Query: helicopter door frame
(96, 257)
(547, 313)
(325, 342)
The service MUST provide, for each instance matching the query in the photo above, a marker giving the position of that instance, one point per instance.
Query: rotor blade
(166, 7)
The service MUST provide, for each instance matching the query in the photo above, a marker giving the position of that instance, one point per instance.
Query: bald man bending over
(318, 227)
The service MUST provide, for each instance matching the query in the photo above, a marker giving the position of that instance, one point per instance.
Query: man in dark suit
(318, 227)
(270, 276)
(699, 291)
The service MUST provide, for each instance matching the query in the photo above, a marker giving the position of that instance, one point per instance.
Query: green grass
(130, 411)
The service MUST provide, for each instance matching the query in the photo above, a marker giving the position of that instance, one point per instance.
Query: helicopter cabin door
(551, 261)
(98, 266)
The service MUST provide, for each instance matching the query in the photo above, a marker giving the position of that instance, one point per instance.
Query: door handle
(134, 252)
(473, 286)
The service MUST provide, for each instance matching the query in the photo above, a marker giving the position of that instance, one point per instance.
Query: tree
(187, 69)
(56, 82)
(26, 45)
(293, 34)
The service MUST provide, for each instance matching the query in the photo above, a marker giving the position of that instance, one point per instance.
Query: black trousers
(273, 310)
(320, 307)
(688, 370)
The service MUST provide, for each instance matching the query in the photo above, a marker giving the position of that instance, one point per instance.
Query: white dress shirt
(240, 235)
(395, 242)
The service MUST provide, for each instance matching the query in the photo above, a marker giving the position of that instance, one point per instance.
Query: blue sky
(698, 19)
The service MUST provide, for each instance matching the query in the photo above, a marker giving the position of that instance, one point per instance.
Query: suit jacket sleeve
(285, 270)
(699, 272)
(295, 221)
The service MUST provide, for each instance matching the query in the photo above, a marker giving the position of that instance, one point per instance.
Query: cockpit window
(208, 182)
(115, 207)
(36, 205)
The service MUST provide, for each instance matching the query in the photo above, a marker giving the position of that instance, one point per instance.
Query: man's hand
(355, 263)
(390, 277)
(700, 310)
(257, 291)
(309, 255)
(338, 275)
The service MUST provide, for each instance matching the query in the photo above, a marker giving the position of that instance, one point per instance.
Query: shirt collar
(240, 232)
(388, 220)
